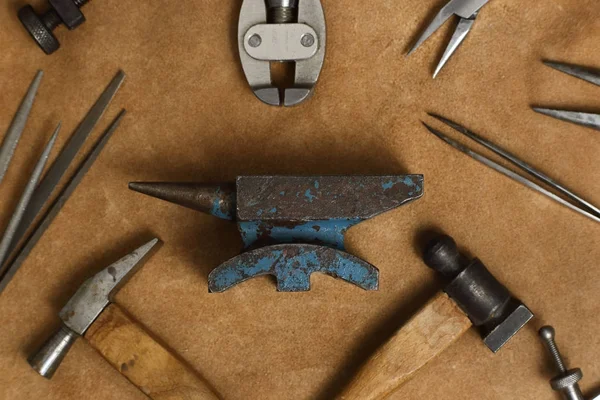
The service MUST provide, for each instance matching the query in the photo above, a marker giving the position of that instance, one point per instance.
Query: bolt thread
(555, 354)
(51, 19)
(282, 15)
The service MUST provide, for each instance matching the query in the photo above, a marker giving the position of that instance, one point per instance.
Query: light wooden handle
(435, 327)
(147, 364)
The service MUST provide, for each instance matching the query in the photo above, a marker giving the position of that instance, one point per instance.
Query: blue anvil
(293, 226)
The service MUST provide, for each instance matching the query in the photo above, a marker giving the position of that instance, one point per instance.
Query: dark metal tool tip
(441, 254)
(217, 200)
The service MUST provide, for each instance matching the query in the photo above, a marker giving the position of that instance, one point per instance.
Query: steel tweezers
(580, 118)
(577, 203)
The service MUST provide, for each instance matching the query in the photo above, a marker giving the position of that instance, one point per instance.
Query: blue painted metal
(297, 223)
(325, 232)
(292, 265)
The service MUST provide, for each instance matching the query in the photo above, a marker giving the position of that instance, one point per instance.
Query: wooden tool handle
(147, 364)
(427, 334)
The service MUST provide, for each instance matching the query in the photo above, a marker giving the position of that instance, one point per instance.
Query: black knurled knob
(40, 26)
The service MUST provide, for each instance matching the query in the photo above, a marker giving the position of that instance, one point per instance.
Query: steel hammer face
(293, 226)
(487, 303)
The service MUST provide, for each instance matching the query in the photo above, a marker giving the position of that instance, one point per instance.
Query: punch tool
(580, 118)
(467, 11)
(576, 203)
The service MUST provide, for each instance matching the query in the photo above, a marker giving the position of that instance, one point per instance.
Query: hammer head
(97, 292)
(487, 303)
(84, 307)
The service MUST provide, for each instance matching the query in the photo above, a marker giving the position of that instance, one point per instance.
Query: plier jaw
(261, 41)
(467, 11)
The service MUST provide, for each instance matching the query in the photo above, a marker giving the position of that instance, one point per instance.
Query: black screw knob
(40, 26)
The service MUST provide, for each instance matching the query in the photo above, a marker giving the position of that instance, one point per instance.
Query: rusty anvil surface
(192, 117)
(293, 226)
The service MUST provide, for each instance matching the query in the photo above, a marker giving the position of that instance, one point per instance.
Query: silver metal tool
(25, 198)
(580, 118)
(580, 205)
(80, 312)
(13, 135)
(567, 380)
(63, 161)
(285, 31)
(9, 270)
(467, 11)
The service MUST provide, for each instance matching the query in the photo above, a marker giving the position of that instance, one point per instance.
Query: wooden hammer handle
(147, 364)
(435, 327)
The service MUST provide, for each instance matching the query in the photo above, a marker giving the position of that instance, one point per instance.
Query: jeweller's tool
(124, 344)
(25, 198)
(567, 380)
(9, 270)
(473, 296)
(40, 26)
(282, 31)
(580, 118)
(467, 11)
(65, 158)
(579, 205)
(13, 134)
(293, 226)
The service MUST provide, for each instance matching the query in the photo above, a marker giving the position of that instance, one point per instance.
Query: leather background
(192, 116)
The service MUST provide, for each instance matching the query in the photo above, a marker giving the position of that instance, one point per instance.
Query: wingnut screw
(566, 381)
(40, 26)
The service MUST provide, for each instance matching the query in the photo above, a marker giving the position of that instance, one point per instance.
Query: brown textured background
(193, 117)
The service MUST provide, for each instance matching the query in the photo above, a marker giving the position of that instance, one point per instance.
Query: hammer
(120, 340)
(473, 296)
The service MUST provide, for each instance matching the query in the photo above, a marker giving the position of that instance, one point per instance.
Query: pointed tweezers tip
(432, 130)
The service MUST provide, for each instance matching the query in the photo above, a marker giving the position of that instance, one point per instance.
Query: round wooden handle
(435, 327)
(147, 364)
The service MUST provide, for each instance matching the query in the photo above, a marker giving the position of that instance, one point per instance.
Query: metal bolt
(282, 11)
(566, 381)
(40, 26)
(307, 40)
(255, 40)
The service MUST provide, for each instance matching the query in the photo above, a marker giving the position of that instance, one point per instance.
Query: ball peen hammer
(472, 296)
(120, 340)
